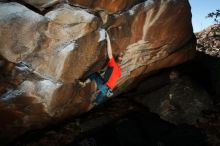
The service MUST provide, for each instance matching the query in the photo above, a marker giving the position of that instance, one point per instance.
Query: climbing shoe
(82, 84)
(94, 103)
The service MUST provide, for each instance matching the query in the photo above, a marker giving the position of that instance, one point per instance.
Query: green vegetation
(215, 15)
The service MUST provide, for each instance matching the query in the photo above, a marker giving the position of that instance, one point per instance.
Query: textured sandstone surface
(43, 54)
(110, 6)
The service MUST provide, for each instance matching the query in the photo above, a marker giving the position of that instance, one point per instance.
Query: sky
(200, 9)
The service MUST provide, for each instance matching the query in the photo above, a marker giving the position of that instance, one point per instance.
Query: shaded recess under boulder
(180, 100)
(42, 55)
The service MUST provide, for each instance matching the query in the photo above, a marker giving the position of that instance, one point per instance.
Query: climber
(106, 81)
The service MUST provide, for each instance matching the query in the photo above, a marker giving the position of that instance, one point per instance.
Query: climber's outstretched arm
(109, 47)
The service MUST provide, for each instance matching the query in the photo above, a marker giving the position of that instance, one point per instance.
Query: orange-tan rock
(110, 6)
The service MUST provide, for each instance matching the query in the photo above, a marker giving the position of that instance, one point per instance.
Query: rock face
(208, 40)
(42, 55)
(110, 6)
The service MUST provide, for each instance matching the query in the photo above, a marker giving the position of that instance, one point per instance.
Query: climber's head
(119, 57)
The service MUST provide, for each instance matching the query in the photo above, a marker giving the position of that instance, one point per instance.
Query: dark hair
(117, 58)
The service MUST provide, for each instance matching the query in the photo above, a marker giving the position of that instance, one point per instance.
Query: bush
(215, 15)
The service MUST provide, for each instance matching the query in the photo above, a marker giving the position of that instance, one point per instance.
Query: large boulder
(42, 55)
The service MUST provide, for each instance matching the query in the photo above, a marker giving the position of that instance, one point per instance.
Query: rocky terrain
(208, 43)
(208, 40)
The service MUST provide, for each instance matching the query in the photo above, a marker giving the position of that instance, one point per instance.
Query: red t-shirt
(115, 73)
